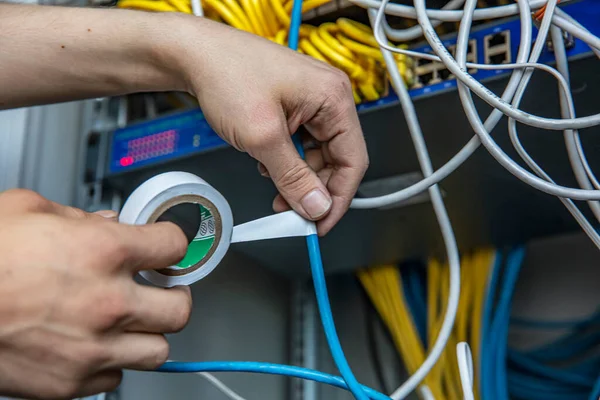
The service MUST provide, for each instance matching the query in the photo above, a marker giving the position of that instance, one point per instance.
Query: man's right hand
(71, 316)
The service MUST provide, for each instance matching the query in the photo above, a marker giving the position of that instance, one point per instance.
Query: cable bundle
(565, 369)
(345, 44)
(411, 301)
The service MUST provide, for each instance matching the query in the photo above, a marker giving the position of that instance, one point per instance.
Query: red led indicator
(126, 161)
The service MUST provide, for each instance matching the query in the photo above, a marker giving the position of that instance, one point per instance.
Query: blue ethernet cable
(499, 335)
(486, 347)
(314, 254)
(557, 375)
(527, 323)
(595, 395)
(349, 381)
(268, 369)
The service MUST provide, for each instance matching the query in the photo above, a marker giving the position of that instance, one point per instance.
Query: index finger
(152, 246)
(336, 124)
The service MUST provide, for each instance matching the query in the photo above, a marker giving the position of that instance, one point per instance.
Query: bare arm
(254, 93)
(54, 54)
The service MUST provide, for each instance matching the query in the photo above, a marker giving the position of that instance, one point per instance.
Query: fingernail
(316, 203)
(108, 214)
(262, 170)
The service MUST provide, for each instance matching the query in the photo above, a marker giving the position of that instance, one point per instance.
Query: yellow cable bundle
(345, 44)
(384, 287)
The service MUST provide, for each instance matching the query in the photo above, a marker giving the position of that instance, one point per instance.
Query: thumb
(296, 181)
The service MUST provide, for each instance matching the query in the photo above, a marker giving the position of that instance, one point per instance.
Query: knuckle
(366, 162)
(340, 82)
(294, 176)
(111, 248)
(180, 242)
(93, 355)
(265, 132)
(113, 382)
(181, 318)
(77, 213)
(28, 200)
(65, 389)
(112, 310)
(161, 352)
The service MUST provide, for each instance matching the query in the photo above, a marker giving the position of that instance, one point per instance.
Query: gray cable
(488, 142)
(581, 169)
(473, 144)
(577, 30)
(405, 35)
(512, 126)
(444, 222)
(448, 15)
(561, 14)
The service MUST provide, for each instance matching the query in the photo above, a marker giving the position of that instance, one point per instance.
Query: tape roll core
(162, 192)
(191, 199)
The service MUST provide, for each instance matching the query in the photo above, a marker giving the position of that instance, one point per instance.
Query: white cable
(465, 369)
(473, 144)
(569, 204)
(581, 169)
(425, 393)
(217, 383)
(443, 220)
(405, 35)
(577, 30)
(567, 108)
(491, 98)
(493, 148)
(448, 15)
(558, 14)
(197, 8)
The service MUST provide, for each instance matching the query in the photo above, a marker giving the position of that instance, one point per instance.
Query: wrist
(157, 66)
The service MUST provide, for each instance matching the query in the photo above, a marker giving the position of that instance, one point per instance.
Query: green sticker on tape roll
(202, 243)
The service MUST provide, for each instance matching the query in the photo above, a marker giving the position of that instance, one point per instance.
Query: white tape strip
(286, 224)
(155, 196)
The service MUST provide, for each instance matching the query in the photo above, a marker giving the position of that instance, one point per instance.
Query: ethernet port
(497, 39)
(424, 61)
(472, 49)
(426, 79)
(498, 59)
(444, 74)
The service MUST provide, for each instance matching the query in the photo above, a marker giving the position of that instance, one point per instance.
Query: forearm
(55, 54)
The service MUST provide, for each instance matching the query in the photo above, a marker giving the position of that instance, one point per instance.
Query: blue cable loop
(266, 368)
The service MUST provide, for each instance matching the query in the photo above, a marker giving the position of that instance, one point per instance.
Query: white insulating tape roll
(155, 196)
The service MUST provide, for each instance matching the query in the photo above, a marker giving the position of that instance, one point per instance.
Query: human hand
(71, 315)
(256, 94)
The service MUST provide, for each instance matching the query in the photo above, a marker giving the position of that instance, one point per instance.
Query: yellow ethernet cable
(326, 32)
(248, 8)
(146, 5)
(227, 15)
(180, 6)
